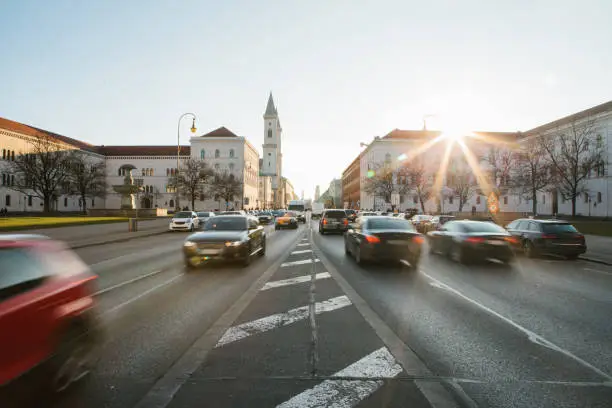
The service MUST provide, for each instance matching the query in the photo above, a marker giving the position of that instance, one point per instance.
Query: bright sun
(455, 134)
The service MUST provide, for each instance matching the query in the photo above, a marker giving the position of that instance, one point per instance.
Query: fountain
(128, 188)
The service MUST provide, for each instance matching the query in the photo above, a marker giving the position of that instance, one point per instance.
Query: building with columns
(221, 149)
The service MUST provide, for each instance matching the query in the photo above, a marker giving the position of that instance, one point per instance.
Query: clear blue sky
(121, 72)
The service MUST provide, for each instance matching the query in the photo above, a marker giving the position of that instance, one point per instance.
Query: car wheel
(72, 361)
(529, 250)
(262, 251)
(247, 259)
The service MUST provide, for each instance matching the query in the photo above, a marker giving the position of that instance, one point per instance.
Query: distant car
(265, 217)
(556, 237)
(287, 220)
(225, 238)
(333, 221)
(233, 213)
(421, 222)
(48, 321)
(438, 221)
(367, 214)
(384, 238)
(467, 241)
(184, 221)
(203, 216)
(351, 214)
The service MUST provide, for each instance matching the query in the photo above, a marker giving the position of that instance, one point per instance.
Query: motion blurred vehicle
(317, 210)
(203, 216)
(535, 237)
(265, 218)
(351, 214)
(287, 220)
(299, 208)
(240, 212)
(421, 222)
(438, 221)
(384, 238)
(225, 238)
(48, 321)
(468, 241)
(184, 221)
(333, 221)
(367, 214)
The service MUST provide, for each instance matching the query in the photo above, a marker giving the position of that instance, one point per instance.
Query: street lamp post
(178, 153)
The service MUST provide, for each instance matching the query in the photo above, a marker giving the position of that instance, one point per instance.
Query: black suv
(556, 237)
(333, 221)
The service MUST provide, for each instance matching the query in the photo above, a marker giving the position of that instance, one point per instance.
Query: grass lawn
(24, 223)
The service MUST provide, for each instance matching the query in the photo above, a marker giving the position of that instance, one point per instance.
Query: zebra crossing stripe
(301, 262)
(293, 281)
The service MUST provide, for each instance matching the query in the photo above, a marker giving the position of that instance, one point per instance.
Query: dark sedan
(555, 237)
(467, 241)
(383, 238)
(225, 238)
(265, 218)
(333, 221)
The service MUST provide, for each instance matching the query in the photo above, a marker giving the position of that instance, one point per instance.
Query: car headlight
(234, 243)
(189, 245)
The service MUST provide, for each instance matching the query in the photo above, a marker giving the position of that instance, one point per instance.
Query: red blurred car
(47, 321)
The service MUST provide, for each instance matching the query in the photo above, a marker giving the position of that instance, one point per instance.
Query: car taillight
(418, 239)
(372, 239)
(324, 221)
(511, 240)
(474, 240)
(345, 221)
(548, 236)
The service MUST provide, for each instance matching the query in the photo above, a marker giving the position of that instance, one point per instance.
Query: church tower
(272, 157)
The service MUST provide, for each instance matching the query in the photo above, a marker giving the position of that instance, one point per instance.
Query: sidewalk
(80, 236)
(599, 249)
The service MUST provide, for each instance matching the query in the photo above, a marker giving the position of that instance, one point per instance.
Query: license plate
(493, 242)
(209, 251)
(397, 242)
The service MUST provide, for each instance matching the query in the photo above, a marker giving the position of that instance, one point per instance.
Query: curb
(594, 260)
(112, 241)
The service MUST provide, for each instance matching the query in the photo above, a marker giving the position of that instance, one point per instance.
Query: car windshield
(226, 224)
(203, 214)
(482, 227)
(389, 224)
(264, 213)
(183, 214)
(351, 212)
(558, 228)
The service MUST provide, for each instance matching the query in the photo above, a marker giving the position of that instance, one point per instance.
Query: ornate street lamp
(178, 153)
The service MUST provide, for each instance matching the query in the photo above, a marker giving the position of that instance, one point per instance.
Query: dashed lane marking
(343, 393)
(293, 281)
(301, 251)
(274, 321)
(118, 285)
(301, 262)
(304, 244)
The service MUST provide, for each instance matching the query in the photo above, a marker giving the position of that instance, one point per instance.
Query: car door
(354, 234)
(445, 237)
(255, 234)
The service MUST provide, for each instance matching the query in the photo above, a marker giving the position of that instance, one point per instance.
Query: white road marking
(108, 289)
(301, 262)
(305, 244)
(293, 281)
(274, 321)
(302, 251)
(143, 294)
(533, 337)
(348, 393)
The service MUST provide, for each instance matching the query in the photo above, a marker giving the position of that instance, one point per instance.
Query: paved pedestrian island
(300, 343)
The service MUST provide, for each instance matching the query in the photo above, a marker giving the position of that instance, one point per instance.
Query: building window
(586, 198)
(231, 166)
(599, 197)
(119, 172)
(450, 199)
(543, 198)
(13, 155)
(269, 154)
(231, 153)
(505, 200)
(477, 199)
(7, 200)
(202, 154)
(3, 154)
(65, 201)
(12, 179)
(217, 166)
(171, 203)
(269, 132)
(202, 197)
(217, 153)
(29, 201)
(415, 199)
(93, 203)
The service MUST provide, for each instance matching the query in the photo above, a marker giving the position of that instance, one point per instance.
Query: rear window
(558, 228)
(389, 224)
(482, 227)
(230, 223)
(335, 214)
(351, 212)
(182, 214)
(203, 214)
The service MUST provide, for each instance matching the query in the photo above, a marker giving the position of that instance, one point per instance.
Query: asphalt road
(305, 326)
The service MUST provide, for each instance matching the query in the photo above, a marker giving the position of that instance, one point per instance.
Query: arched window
(202, 154)
(167, 172)
(217, 153)
(119, 172)
(171, 203)
(7, 200)
(143, 172)
(231, 152)
(270, 132)
(599, 197)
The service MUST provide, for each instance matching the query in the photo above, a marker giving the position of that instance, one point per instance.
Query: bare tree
(574, 153)
(192, 180)
(462, 182)
(531, 172)
(86, 177)
(383, 181)
(418, 181)
(501, 161)
(43, 171)
(225, 186)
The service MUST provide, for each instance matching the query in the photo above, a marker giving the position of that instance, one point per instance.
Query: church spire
(270, 108)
